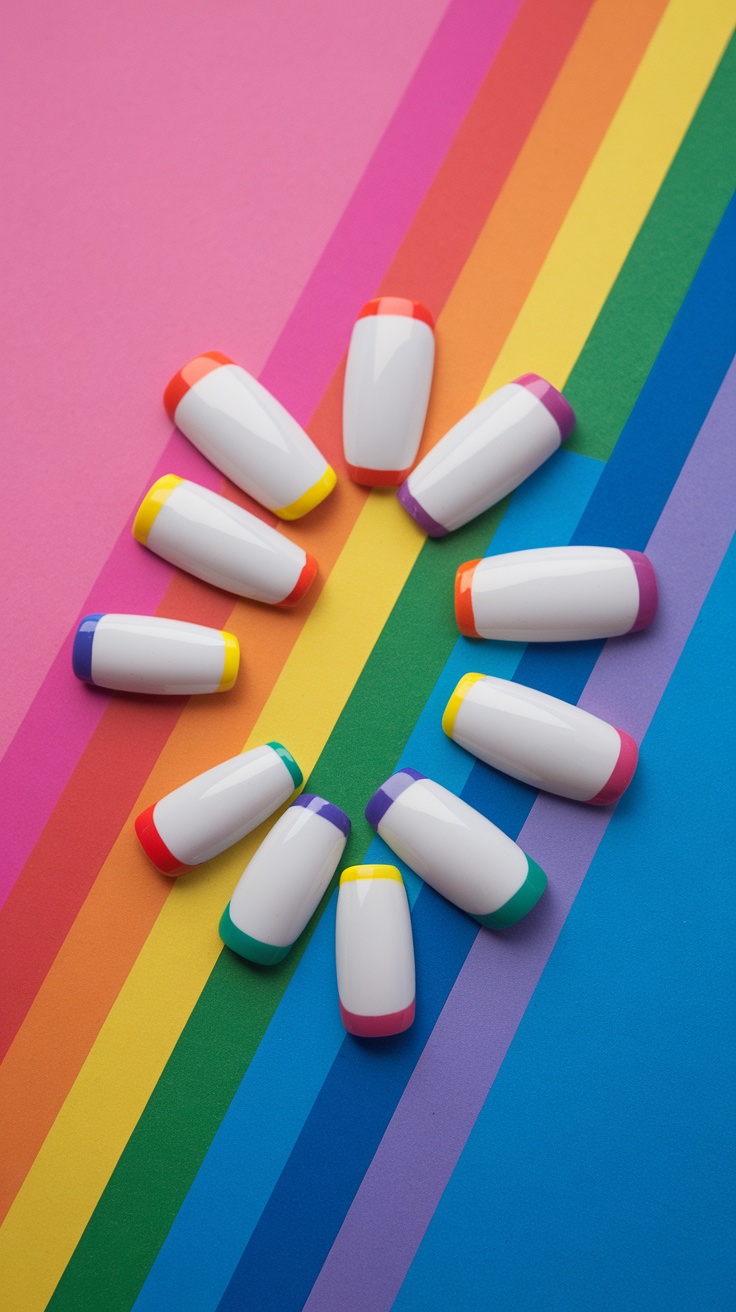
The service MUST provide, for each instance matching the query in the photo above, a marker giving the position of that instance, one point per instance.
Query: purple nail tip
(388, 792)
(413, 508)
(328, 810)
(559, 408)
(648, 590)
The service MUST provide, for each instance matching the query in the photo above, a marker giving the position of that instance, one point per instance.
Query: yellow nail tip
(311, 498)
(151, 504)
(354, 873)
(232, 661)
(456, 700)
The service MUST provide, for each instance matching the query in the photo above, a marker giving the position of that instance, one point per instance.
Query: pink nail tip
(622, 774)
(648, 590)
(377, 1027)
(558, 406)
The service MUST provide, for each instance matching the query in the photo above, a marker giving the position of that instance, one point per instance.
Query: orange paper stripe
(456, 205)
(521, 228)
(123, 904)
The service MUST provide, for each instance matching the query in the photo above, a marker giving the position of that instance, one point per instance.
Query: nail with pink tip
(374, 952)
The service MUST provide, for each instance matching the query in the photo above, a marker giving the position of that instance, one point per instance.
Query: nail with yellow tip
(150, 654)
(247, 434)
(374, 952)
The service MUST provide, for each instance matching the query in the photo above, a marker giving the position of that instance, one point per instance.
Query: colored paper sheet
(181, 1130)
(640, 1015)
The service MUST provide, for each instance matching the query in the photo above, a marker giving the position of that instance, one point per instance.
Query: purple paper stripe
(452, 1079)
(394, 786)
(298, 370)
(320, 806)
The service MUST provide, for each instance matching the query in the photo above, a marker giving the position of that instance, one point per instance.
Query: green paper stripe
(184, 1111)
(628, 333)
(233, 1011)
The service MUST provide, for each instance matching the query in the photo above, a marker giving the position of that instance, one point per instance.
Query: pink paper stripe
(442, 1101)
(298, 370)
(65, 713)
(159, 203)
(384, 204)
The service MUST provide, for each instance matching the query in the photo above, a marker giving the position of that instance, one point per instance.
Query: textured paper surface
(177, 1128)
(176, 171)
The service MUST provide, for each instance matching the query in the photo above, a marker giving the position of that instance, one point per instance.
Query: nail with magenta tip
(556, 594)
(541, 740)
(374, 952)
(487, 454)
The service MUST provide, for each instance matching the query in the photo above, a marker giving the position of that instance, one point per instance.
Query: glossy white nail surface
(237, 424)
(374, 952)
(487, 454)
(540, 740)
(455, 849)
(217, 808)
(387, 385)
(219, 542)
(150, 654)
(555, 594)
(283, 883)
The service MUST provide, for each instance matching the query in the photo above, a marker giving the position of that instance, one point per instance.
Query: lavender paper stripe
(401, 1189)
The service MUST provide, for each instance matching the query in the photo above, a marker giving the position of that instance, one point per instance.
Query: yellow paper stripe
(66, 1180)
(135, 1042)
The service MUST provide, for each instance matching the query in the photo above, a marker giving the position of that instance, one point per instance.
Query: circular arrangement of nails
(549, 594)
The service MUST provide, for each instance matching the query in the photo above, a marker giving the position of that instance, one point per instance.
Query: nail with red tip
(387, 384)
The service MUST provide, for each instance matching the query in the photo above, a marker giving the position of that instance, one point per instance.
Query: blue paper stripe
(635, 1204)
(304, 1038)
(679, 392)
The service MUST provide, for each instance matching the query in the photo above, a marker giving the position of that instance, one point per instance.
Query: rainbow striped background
(553, 178)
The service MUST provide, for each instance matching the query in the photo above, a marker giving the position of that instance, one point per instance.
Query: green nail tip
(521, 903)
(289, 762)
(264, 954)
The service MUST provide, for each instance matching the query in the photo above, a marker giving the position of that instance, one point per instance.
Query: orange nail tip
(189, 375)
